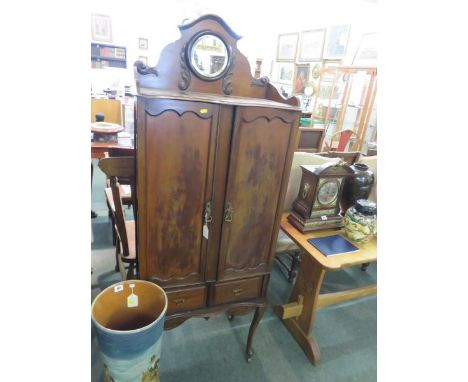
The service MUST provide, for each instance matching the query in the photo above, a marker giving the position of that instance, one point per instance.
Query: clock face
(328, 192)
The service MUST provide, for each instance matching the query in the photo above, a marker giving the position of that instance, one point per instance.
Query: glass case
(345, 102)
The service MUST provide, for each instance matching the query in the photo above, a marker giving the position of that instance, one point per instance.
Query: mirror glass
(209, 56)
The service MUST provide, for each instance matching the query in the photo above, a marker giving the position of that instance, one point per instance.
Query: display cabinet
(214, 148)
(346, 102)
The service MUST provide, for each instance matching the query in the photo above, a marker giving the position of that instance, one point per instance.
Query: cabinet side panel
(179, 155)
(259, 150)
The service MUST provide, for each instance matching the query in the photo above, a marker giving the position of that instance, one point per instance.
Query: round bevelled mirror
(209, 56)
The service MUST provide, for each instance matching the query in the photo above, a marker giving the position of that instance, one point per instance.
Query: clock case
(307, 204)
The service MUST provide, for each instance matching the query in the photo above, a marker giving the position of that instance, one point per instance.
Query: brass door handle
(179, 301)
(237, 291)
(208, 217)
(228, 212)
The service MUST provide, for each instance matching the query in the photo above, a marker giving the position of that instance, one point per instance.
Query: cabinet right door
(262, 140)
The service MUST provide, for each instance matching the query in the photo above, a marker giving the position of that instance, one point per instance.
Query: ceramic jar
(99, 117)
(358, 186)
(128, 318)
(360, 221)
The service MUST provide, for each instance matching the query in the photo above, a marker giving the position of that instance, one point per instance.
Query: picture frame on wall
(301, 78)
(336, 42)
(287, 47)
(366, 53)
(101, 28)
(316, 69)
(143, 43)
(331, 63)
(285, 72)
(311, 46)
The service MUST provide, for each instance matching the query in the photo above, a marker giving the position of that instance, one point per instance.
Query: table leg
(308, 283)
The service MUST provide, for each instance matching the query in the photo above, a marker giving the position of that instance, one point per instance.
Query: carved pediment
(180, 69)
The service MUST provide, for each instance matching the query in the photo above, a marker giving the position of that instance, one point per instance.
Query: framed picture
(311, 47)
(143, 43)
(285, 72)
(331, 63)
(101, 28)
(366, 54)
(316, 68)
(336, 42)
(143, 59)
(287, 47)
(301, 78)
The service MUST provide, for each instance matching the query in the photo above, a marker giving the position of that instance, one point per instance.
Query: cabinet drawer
(237, 290)
(186, 299)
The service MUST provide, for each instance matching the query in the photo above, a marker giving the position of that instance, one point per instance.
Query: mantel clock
(318, 204)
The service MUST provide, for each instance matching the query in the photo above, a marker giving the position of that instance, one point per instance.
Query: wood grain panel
(186, 299)
(179, 157)
(237, 290)
(259, 148)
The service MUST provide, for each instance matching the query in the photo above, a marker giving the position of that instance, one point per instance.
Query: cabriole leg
(253, 327)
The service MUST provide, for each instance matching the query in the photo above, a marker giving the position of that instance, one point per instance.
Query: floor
(213, 350)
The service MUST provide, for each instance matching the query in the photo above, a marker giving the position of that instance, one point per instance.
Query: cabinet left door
(176, 146)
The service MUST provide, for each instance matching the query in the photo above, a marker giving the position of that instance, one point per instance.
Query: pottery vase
(360, 221)
(129, 321)
(99, 117)
(358, 186)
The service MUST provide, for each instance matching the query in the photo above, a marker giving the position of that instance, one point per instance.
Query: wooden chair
(125, 189)
(126, 193)
(342, 143)
(125, 249)
(350, 157)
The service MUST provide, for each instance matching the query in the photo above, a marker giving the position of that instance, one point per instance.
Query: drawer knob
(179, 301)
(237, 291)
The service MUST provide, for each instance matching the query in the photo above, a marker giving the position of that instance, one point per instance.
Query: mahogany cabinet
(214, 148)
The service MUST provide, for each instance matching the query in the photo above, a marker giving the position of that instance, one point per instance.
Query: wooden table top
(106, 128)
(112, 145)
(367, 252)
(99, 148)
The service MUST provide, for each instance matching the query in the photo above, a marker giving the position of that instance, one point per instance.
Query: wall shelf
(105, 55)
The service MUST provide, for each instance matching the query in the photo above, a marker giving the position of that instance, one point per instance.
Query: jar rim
(361, 166)
(366, 207)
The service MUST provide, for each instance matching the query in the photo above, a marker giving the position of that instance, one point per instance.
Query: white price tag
(324, 217)
(132, 300)
(205, 231)
(118, 288)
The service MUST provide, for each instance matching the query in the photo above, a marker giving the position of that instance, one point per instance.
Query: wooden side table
(99, 148)
(305, 299)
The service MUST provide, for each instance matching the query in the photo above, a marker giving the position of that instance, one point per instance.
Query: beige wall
(259, 22)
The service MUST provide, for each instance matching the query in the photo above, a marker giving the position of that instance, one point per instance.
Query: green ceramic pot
(360, 221)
